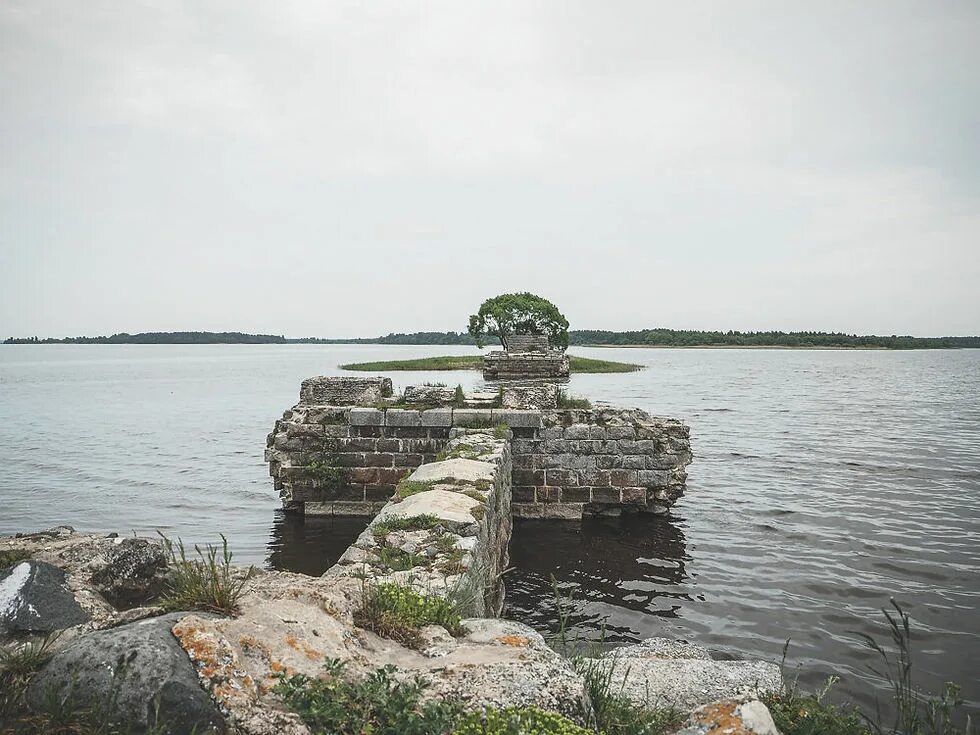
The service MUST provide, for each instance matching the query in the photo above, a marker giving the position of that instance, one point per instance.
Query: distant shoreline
(649, 338)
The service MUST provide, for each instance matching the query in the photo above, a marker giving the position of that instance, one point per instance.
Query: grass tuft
(567, 401)
(9, 557)
(398, 612)
(407, 488)
(377, 704)
(421, 522)
(206, 583)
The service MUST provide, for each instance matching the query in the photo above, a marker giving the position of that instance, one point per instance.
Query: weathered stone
(137, 670)
(538, 396)
(661, 648)
(343, 391)
(733, 717)
(466, 470)
(447, 506)
(516, 418)
(34, 598)
(437, 417)
(366, 417)
(131, 572)
(402, 417)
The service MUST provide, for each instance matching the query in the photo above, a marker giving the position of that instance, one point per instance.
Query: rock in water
(34, 599)
(139, 670)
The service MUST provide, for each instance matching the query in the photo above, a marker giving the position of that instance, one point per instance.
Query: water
(824, 482)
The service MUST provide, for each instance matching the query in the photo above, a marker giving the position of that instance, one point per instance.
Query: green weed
(398, 612)
(206, 583)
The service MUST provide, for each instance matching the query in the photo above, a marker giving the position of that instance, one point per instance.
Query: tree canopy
(519, 313)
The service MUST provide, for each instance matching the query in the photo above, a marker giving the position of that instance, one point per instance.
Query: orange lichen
(721, 719)
(518, 641)
(292, 642)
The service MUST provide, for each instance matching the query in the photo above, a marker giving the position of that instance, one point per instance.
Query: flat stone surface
(690, 683)
(34, 599)
(443, 504)
(469, 470)
(141, 666)
(750, 717)
(662, 648)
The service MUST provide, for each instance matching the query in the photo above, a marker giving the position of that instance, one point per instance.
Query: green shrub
(459, 397)
(502, 431)
(398, 612)
(807, 714)
(328, 475)
(206, 583)
(397, 560)
(517, 721)
(378, 705)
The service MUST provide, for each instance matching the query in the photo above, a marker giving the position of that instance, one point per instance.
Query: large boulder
(138, 671)
(34, 599)
(660, 672)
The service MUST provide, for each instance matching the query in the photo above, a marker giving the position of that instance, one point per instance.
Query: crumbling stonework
(516, 365)
(344, 391)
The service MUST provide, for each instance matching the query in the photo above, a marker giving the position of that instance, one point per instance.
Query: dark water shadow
(611, 568)
(310, 545)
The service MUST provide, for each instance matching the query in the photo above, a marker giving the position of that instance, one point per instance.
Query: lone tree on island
(519, 313)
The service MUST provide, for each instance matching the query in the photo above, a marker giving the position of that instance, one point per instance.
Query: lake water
(824, 482)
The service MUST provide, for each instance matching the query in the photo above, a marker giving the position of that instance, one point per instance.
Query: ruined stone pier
(328, 459)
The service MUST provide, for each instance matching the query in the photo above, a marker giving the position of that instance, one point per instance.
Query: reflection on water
(633, 564)
(310, 545)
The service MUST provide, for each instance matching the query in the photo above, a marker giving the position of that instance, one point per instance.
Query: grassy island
(475, 362)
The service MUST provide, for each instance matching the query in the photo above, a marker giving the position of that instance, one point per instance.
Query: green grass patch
(578, 364)
(398, 612)
(397, 560)
(567, 401)
(407, 488)
(205, 583)
(378, 704)
(421, 522)
(517, 721)
(475, 362)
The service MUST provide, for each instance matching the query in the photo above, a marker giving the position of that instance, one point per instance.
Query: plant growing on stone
(566, 401)
(517, 721)
(519, 313)
(459, 398)
(328, 475)
(9, 557)
(207, 583)
(421, 522)
(399, 612)
(378, 704)
(407, 488)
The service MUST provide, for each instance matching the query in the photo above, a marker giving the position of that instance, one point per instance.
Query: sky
(357, 168)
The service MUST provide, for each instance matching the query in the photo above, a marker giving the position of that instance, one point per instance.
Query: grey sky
(342, 168)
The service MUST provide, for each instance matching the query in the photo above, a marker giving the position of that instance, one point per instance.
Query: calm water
(824, 482)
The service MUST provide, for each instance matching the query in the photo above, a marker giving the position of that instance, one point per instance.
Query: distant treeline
(159, 338)
(645, 337)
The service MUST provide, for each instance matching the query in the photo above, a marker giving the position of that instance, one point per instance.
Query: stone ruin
(348, 459)
(525, 356)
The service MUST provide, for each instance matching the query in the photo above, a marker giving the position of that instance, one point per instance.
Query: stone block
(556, 446)
(526, 510)
(549, 461)
(542, 395)
(445, 505)
(552, 432)
(343, 391)
(608, 461)
(577, 431)
(598, 432)
(561, 478)
(623, 478)
(364, 475)
(521, 462)
(634, 496)
(469, 470)
(628, 446)
(379, 459)
(437, 417)
(522, 493)
(528, 477)
(548, 494)
(653, 478)
(388, 445)
(357, 444)
(406, 432)
(402, 417)
(646, 446)
(576, 494)
(391, 476)
(407, 460)
(634, 462)
(563, 511)
(472, 417)
(526, 446)
(607, 495)
(378, 492)
(515, 418)
(366, 417)
(620, 432)
(595, 478)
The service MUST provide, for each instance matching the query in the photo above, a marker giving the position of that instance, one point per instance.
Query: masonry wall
(328, 460)
(524, 365)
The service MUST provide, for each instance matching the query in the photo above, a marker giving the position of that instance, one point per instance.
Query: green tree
(519, 313)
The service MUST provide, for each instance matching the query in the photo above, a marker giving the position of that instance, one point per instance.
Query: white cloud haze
(351, 168)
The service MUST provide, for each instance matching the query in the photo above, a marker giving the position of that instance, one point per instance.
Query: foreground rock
(661, 673)
(138, 672)
(34, 599)
(731, 717)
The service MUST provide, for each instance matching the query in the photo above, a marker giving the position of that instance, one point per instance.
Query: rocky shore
(119, 644)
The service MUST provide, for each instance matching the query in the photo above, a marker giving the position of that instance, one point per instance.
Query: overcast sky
(353, 168)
